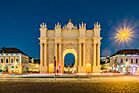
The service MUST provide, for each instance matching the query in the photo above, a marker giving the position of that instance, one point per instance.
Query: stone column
(98, 54)
(60, 61)
(94, 54)
(84, 55)
(41, 55)
(80, 55)
(56, 53)
(45, 57)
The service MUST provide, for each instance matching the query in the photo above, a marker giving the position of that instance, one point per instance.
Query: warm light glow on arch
(73, 52)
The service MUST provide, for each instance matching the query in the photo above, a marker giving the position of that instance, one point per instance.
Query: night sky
(20, 20)
(69, 60)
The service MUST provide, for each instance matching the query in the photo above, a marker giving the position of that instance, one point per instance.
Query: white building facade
(126, 61)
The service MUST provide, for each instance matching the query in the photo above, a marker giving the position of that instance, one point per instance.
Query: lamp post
(55, 68)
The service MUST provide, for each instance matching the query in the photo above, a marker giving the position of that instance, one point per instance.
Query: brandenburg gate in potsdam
(82, 43)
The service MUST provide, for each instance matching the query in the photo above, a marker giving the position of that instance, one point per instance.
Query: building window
(121, 60)
(1, 60)
(131, 60)
(126, 60)
(6, 60)
(17, 60)
(12, 60)
(136, 60)
(12, 66)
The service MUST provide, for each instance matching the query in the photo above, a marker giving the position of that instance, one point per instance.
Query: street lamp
(124, 35)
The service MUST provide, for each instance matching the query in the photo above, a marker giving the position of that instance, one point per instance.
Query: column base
(84, 69)
(88, 69)
(51, 68)
(43, 69)
(96, 69)
(81, 69)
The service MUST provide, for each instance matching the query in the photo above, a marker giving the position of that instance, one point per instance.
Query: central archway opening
(69, 62)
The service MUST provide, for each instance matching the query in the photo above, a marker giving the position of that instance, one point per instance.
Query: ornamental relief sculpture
(70, 26)
(69, 46)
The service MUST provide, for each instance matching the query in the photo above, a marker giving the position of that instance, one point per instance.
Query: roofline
(21, 52)
(116, 53)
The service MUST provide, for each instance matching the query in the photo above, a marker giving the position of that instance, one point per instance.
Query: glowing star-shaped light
(124, 34)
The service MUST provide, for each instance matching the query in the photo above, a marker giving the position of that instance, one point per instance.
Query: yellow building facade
(83, 44)
(12, 60)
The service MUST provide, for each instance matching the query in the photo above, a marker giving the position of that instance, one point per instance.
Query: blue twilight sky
(20, 19)
(69, 59)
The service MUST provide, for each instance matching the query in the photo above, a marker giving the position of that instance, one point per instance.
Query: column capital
(94, 43)
(43, 43)
(82, 40)
(43, 38)
(58, 43)
(81, 43)
(57, 40)
(97, 38)
(99, 43)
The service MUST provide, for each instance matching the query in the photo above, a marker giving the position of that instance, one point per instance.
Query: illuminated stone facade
(83, 44)
(125, 58)
(12, 60)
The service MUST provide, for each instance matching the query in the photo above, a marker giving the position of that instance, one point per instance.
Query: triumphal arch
(82, 43)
